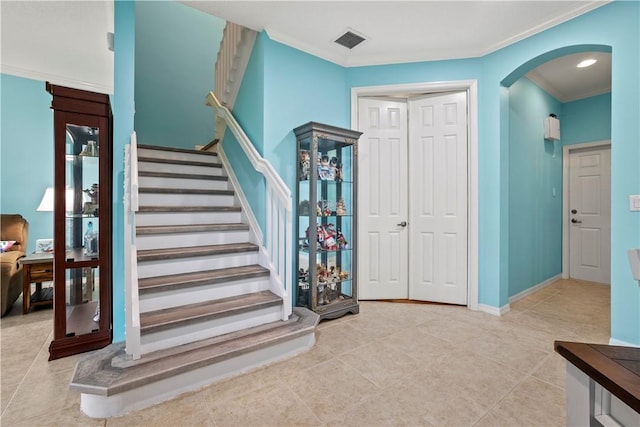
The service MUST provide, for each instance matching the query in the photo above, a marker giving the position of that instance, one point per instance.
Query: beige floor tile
(374, 325)
(516, 354)
(187, 410)
(552, 370)
(532, 403)
(235, 387)
(272, 405)
(68, 417)
(340, 338)
(6, 394)
(380, 409)
(419, 345)
(331, 387)
(380, 363)
(40, 395)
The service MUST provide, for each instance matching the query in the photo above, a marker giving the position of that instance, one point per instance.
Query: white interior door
(413, 198)
(438, 202)
(382, 199)
(590, 214)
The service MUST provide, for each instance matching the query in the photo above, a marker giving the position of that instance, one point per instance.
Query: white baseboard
(534, 288)
(613, 341)
(496, 311)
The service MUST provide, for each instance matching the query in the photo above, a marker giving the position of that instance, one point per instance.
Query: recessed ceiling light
(587, 63)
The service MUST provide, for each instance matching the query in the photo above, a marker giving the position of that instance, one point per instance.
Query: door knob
(575, 221)
(573, 211)
(402, 224)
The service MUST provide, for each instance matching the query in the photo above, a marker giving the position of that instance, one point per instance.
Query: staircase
(207, 310)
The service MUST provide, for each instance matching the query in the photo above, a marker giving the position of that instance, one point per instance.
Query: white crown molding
(587, 7)
(55, 79)
(385, 59)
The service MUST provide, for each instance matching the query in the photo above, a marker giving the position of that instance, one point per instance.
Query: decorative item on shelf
(342, 242)
(324, 208)
(335, 164)
(89, 150)
(328, 238)
(303, 208)
(90, 240)
(341, 208)
(325, 171)
(305, 164)
(91, 207)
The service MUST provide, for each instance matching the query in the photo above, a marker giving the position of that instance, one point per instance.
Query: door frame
(566, 150)
(471, 88)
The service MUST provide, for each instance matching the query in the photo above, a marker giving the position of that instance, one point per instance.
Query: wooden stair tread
(182, 176)
(164, 190)
(174, 281)
(153, 209)
(178, 162)
(194, 228)
(110, 371)
(187, 314)
(193, 251)
(176, 149)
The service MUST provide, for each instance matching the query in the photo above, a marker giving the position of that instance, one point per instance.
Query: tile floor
(393, 364)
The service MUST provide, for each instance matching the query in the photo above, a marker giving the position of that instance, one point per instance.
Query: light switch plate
(634, 202)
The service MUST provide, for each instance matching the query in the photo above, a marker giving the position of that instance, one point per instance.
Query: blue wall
(176, 50)
(26, 152)
(586, 120)
(535, 189)
(123, 108)
(613, 27)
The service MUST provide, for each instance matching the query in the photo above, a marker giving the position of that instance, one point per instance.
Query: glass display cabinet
(326, 219)
(82, 221)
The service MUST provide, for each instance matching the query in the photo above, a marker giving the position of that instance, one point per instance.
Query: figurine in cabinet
(305, 165)
(336, 166)
(341, 209)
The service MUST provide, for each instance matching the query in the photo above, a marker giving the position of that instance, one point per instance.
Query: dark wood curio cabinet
(326, 219)
(82, 221)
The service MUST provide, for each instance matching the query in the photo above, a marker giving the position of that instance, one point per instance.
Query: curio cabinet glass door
(82, 217)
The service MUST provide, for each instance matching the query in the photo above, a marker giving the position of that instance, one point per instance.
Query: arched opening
(533, 91)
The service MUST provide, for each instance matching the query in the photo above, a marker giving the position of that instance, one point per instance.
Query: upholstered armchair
(13, 228)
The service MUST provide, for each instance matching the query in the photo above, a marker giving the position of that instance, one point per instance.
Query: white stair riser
(178, 168)
(183, 296)
(97, 406)
(187, 218)
(212, 328)
(190, 265)
(177, 199)
(185, 240)
(175, 155)
(184, 183)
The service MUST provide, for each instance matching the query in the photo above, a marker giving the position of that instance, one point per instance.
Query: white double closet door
(413, 198)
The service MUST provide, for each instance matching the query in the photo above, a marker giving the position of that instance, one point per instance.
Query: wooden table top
(615, 368)
(40, 258)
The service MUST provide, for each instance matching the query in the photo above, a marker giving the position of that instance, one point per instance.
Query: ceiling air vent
(350, 40)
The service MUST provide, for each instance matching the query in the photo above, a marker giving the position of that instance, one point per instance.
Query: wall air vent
(350, 40)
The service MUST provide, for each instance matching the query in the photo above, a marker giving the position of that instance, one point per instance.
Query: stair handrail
(279, 208)
(131, 206)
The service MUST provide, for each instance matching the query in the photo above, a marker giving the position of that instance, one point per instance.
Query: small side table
(37, 268)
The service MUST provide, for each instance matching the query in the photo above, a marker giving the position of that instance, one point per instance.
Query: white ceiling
(410, 31)
(64, 42)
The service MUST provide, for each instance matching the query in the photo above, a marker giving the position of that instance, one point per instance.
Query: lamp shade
(46, 205)
(47, 202)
